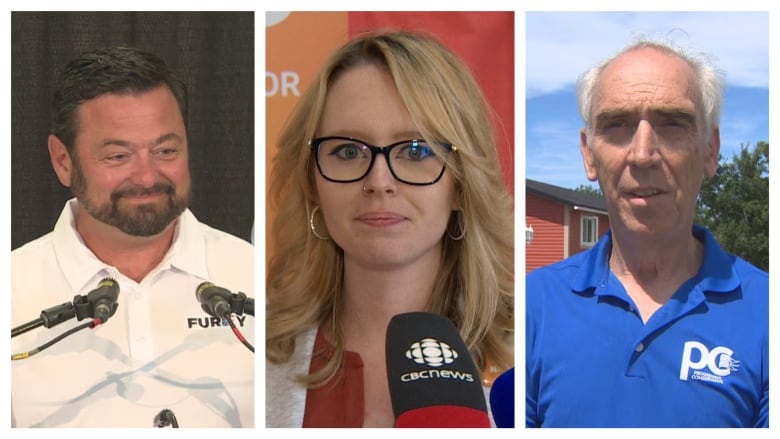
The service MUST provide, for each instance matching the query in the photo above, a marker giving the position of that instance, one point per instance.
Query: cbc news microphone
(502, 399)
(432, 377)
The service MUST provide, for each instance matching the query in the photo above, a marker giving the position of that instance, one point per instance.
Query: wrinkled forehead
(646, 78)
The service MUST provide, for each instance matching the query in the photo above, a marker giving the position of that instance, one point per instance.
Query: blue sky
(562, 45)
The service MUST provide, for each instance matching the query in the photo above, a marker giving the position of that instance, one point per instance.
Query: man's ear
(587, 156)
(60, 160)
(712, 153)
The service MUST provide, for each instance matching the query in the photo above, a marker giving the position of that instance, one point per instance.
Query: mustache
(132, 191)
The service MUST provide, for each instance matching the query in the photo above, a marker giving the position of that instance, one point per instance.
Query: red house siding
(574, 234)
(547, 219)
(576, 226)
(550, 222)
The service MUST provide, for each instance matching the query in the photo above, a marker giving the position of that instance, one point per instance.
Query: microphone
(432, 378)
(220, 302)
(165, 418)
(214, 300)
(100, 303)
(502, 399)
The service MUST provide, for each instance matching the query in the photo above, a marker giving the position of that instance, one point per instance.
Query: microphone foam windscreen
(433, 379)
(502, 399)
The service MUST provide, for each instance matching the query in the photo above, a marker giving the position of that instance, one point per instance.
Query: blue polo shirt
(701, 360)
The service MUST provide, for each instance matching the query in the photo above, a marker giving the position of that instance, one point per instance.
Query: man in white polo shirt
(119, 142)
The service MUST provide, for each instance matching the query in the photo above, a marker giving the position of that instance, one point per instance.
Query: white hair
(708, 79)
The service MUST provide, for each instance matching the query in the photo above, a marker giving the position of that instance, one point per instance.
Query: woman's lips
(380, 219)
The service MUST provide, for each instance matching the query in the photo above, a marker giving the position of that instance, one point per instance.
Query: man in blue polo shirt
(656, 326)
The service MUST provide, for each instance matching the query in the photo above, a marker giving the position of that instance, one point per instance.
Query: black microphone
(165, 418)
(433, 380)
(502, 399)
(100, 303)
(219, 302)
(214, 300)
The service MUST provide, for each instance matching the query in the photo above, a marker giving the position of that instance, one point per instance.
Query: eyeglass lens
(411, 161)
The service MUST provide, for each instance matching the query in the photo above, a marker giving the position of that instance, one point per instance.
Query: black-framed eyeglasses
(346, 159)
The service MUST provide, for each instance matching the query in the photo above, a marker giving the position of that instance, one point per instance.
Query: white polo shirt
(160, 350)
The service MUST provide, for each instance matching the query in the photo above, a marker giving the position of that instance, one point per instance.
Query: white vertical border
(260, 222)
(520, 218)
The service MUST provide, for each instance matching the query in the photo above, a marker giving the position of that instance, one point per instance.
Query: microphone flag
(432, 378)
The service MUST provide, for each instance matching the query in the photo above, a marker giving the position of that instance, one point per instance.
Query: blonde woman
(390, 200)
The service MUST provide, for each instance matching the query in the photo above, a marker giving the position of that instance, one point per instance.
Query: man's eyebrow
(677, 113)
(160, 140)
(608, 115)
(167, 137)
(118, 142)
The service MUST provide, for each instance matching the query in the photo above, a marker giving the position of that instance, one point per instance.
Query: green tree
(589, 190)
(734, 204)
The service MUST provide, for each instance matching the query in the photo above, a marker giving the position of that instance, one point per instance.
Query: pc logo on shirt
(707, 364)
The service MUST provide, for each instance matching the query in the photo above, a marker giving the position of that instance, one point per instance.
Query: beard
(140, 220)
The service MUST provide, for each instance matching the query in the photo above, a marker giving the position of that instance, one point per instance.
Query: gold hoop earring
(461, 221)
(313, 227)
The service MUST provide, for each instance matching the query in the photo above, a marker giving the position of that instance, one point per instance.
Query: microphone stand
(240, 304)
(49, 317)
(99, 304)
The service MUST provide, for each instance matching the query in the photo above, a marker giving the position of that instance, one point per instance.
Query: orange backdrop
(298, 43)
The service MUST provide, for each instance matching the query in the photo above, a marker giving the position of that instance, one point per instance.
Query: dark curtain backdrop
(212, 51)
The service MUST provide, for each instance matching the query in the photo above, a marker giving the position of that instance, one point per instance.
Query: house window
(589, 230)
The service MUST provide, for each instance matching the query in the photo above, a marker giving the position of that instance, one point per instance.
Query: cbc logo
(432, 352)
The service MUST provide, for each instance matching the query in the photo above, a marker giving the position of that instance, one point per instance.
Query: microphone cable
(238, 334)
(99, 304)
(57, 339)
(220, 302)
(227, 316)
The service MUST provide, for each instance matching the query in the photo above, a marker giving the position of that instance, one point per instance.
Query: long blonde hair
(475, 284)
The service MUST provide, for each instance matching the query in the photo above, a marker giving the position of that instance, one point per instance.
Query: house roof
(573, 198)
